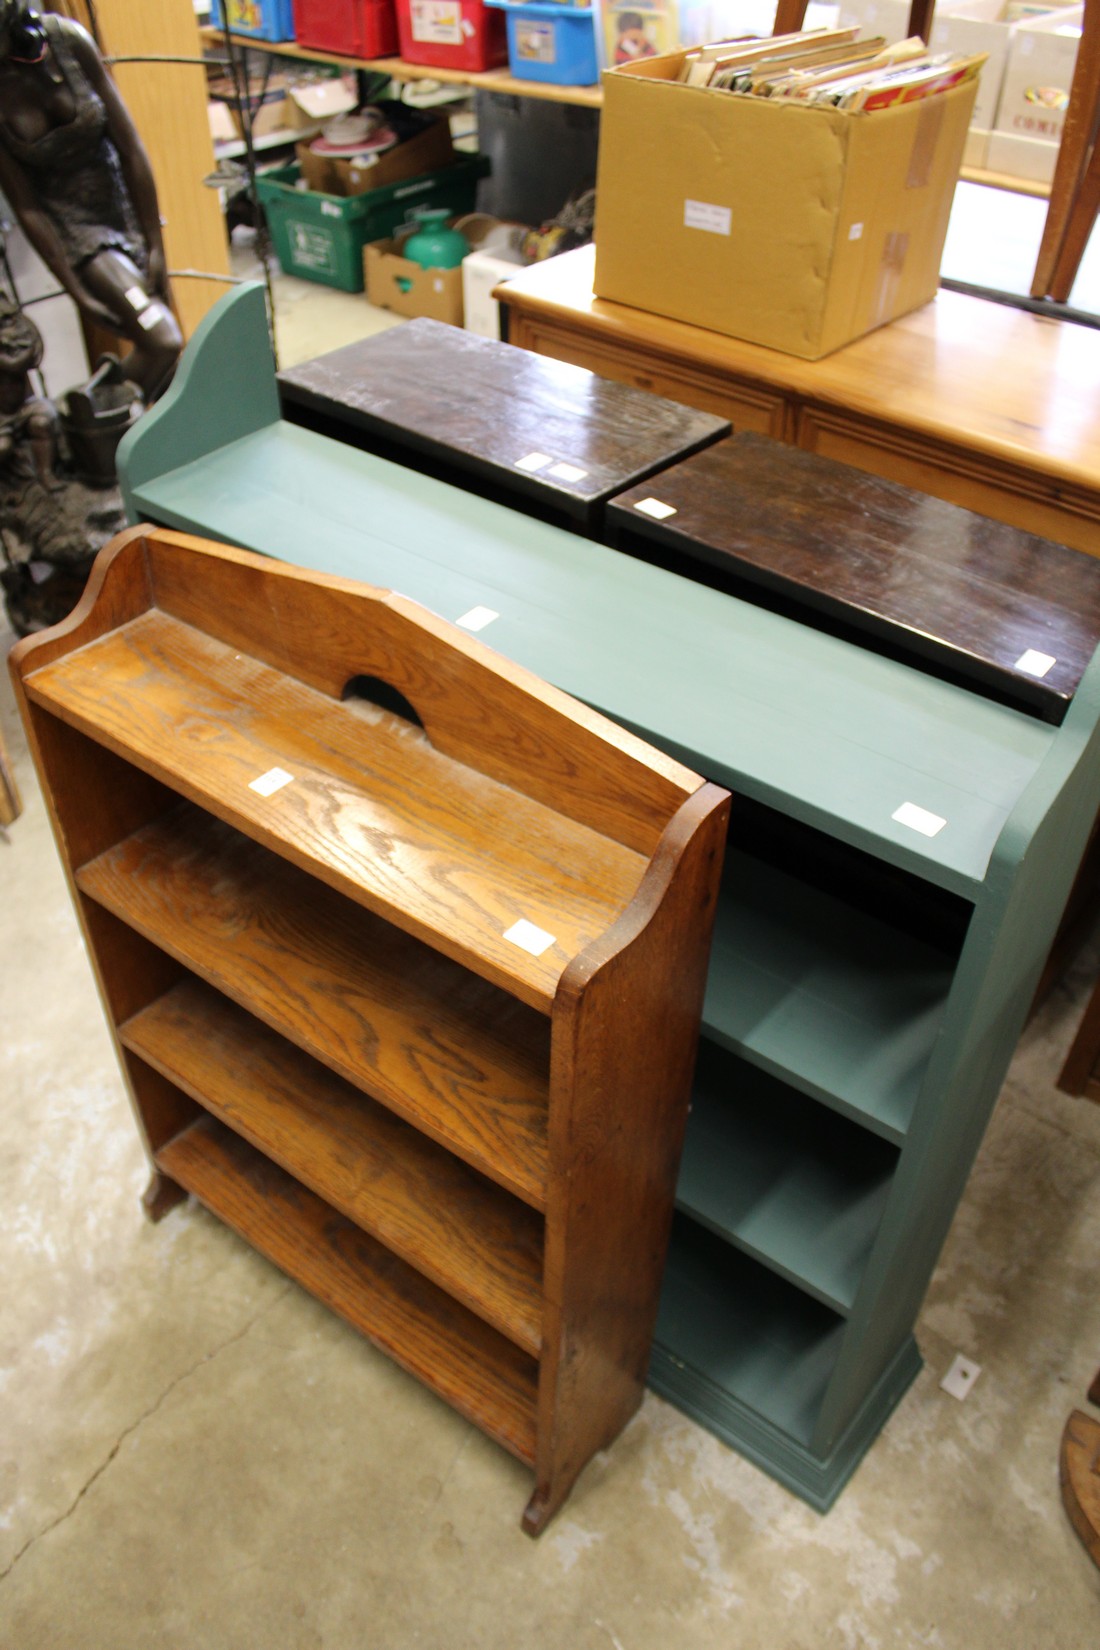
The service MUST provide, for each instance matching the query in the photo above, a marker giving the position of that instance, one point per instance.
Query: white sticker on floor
(568, 472)
(534, 461)
(529, 937)
(918, 819)
(960, 1378)
(271, 781)
(654, 507)
(1034, 662)
(477, 618)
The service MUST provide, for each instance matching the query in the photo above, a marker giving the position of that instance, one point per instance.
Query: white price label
(477, 618)
(653, 507)
(919, 819)
(1035, 663)
(716, 220)
(529, 937)
(271, 781)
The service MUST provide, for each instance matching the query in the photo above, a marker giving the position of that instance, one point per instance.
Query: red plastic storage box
(355, 28)
(452, 34)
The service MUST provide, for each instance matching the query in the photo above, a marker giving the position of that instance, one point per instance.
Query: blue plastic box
(263, 19)
(548, 40)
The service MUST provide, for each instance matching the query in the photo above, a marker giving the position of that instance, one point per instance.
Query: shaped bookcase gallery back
(409, 997)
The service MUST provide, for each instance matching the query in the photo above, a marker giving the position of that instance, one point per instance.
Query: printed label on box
(437, 22)
(717, 220)
(534, 43)
(312, 248)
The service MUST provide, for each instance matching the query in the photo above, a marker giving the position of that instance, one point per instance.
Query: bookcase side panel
(623, 1048)
(1015, 918)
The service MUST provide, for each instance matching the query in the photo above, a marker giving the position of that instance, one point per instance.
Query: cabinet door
(749, 406)
(1021, 497)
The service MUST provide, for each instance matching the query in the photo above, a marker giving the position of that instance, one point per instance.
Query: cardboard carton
(1034, 96)
(428, 151)
(794, 227)
(396, 283)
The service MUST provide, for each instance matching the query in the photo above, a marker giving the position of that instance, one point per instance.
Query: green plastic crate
(321, 237)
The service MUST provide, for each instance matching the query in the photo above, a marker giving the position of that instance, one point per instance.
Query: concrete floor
(193, 1453)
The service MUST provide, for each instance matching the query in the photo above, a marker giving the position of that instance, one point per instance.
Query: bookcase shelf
(458, 1058)
(868, 982)
(381, 1011)
(420, 1326)
(783, 1179)
(748, 1333)
(815, 990)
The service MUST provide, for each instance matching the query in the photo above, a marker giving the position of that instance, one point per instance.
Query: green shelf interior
(749, 1332)
(783, 1178)
(818, 989)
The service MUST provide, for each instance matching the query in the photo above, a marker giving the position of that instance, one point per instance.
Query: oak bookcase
(406, 980)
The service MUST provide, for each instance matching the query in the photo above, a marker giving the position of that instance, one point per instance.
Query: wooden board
(921, 577)
(418, 1200)
(419, 1326)
(475, 410)
(396, 825)
(449, 1053)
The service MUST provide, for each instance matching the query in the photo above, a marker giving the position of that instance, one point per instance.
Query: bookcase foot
(160, 1196)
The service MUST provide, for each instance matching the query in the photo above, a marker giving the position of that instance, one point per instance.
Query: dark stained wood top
(924, 577)
(484, 409)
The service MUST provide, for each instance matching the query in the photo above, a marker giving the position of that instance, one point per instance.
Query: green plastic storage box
(321, 237)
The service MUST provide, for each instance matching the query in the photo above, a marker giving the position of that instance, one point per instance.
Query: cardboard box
(429, 151)
(268, 104)
(1031, 114)
(798, 228)
(972, 26)
(482, 271)
(311, 102)
(1038, 75)
(396, 283)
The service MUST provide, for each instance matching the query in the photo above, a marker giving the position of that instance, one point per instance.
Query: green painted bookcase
(900, 852)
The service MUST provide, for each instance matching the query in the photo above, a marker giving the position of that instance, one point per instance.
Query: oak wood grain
(452, 1055)
(420, 1327)
(435, 393)
(457, 1228)
(924, 577)
(623, 1053)
(436, 847)
(476, 705)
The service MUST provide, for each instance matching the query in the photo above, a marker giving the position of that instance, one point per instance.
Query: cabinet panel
(748, 405)
(1022, 497)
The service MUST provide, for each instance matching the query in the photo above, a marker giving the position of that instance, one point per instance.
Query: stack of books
(829, 68)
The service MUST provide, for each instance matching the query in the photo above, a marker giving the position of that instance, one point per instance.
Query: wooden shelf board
(798, 719)
(781, 1178)
(489, 80)
(464, 1233)
(838, 1004)
(419, 1326)
(454, 1056)
(430, 844)
(748, 1331)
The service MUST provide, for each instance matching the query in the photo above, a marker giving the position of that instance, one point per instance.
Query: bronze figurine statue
(78, 179)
